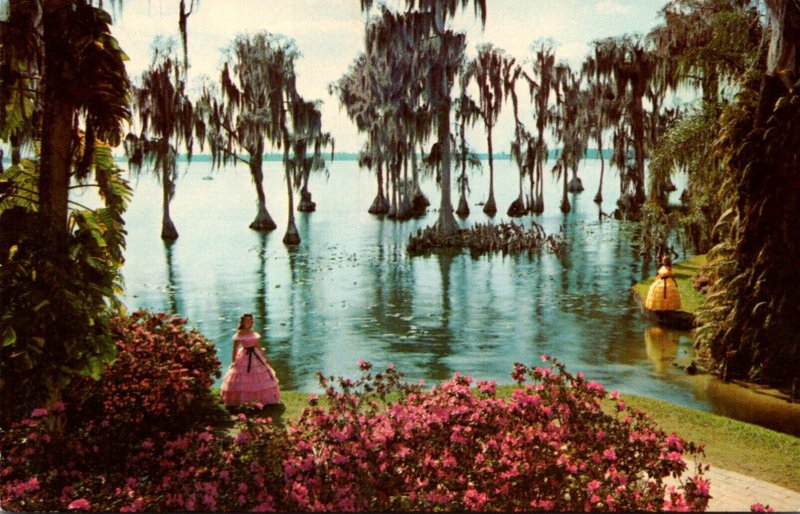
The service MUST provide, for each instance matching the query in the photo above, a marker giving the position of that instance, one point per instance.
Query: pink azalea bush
(200, 470)
(377, 444)
(162, 374)
(380, 445)
(159, 385)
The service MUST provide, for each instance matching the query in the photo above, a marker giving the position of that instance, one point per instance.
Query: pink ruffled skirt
(259, 385)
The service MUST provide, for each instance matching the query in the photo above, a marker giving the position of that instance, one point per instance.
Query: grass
(685, 272)
(729, 444)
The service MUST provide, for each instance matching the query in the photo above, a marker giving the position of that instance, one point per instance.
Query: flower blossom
(80, 504)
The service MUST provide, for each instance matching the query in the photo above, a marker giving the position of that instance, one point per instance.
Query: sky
(329, 34)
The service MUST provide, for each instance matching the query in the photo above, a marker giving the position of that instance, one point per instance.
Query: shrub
(157, 388)
(160, 382)
(380, 444)
(383, 446)
(199, 470)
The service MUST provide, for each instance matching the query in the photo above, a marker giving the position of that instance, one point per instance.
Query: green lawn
(685, 272)
(729, 444)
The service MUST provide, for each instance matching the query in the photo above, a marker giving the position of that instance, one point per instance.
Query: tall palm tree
(167, 120)
(285, 103)
(382, 92)
(522, 151)
(492, 72)
(61, 71)
(308, 134)
(441, 59)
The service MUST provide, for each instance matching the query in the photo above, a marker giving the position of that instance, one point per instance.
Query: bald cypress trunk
(446, 224)
(491, 206)
(168, 230)
(598, 198)
(263, 221)
(292, 236)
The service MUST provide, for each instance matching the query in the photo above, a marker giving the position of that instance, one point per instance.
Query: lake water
(350, 291)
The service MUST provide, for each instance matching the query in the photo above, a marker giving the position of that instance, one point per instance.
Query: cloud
(612, 7)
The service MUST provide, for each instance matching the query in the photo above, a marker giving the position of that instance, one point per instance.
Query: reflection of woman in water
(660, 347)
(249, 379)
(663, 294)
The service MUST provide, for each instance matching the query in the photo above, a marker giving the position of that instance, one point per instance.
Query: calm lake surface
(351, 292)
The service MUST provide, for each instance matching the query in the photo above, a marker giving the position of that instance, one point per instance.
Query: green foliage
(749, 322)
(707, 44)
(56, 303)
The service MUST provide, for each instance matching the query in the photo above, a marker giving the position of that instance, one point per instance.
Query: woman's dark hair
(241, 320)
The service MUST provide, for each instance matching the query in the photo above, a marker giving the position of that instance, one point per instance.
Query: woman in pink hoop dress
(250, 378)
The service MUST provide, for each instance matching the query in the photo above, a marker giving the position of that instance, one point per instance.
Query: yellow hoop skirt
(663, 294)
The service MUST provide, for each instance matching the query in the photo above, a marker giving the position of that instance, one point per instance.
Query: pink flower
(38, 413)
(614, 395)
(592, 486)
(80, 504)
(545, 505)
(595, 387)
(701, 487)
(674, 456)
(474, 500)
(24, 487)
(58, 407)
(488, 388)
(757, 507)
(674, 442)
(610, 455)
(265, 507)
(136, 506)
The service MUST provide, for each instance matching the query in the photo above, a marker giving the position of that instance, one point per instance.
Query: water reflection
(260, 298)
(175, 305)
(662, 347)
(753, 404)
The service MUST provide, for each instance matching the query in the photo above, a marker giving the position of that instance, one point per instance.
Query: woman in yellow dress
(663, 294)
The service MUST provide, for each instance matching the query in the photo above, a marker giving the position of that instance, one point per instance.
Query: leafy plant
(383, 445)
(55, 306)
